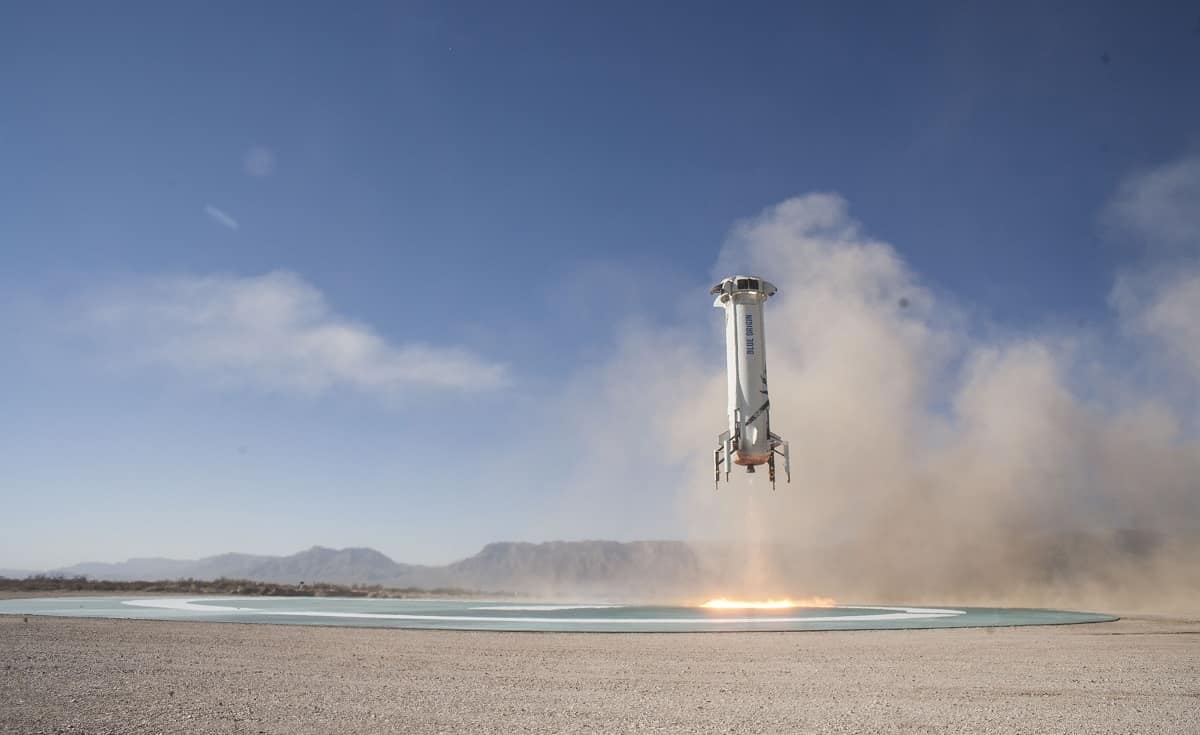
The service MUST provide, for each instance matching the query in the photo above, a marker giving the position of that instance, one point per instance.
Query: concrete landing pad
(526, 616)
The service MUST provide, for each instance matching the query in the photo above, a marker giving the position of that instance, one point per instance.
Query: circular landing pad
(526, 616)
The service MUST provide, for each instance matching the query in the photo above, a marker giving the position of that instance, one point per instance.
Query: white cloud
(274, 331)
(221, 217)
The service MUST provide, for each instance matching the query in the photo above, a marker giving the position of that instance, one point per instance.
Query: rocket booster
(749, 441)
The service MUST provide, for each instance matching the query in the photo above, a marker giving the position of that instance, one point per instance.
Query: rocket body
(748, 442)
(746, 365)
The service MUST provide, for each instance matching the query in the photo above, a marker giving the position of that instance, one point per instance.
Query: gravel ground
(63, 675)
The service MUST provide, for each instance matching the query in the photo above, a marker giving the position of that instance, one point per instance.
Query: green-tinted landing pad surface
(561, 617)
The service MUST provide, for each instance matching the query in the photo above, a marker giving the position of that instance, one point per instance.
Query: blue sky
(493, 193)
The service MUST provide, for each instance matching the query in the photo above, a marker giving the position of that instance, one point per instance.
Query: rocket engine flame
(723, 604)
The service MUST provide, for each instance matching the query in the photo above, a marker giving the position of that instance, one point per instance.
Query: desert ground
(63, 675)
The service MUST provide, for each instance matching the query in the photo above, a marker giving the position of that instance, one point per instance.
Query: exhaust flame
(723, 604)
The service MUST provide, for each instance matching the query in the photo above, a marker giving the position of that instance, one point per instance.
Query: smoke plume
(935, 457)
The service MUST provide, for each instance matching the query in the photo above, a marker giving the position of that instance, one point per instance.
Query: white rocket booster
(749, 441)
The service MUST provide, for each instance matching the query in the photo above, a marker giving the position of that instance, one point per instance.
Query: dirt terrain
(63, 675)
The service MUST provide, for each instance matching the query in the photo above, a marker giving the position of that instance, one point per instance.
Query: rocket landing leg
(722, 455)
(780, 447)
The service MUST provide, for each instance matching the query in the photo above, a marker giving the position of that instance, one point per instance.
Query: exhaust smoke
(937, 457)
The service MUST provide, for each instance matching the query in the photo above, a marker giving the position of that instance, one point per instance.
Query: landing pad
(530, 616)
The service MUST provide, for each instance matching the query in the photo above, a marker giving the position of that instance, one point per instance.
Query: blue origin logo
(749, 334)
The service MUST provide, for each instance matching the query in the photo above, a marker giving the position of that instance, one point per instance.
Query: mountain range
(1140, 568)
(551, 568)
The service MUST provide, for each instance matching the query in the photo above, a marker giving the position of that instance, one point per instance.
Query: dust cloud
(937, 457)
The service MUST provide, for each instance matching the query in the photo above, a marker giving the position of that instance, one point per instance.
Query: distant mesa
(583, 567)
(673, 570)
